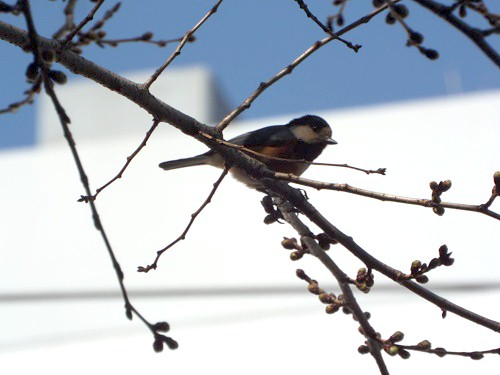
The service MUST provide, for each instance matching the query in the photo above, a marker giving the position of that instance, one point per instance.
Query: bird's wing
(275, 141)
(271, 136)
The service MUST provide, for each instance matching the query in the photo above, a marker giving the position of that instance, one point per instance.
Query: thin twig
(442, 351)
(129, 160)
(307, 237)
(305, 8)
(69, 22)
(30, 94)
(178, 50)
(194, 215)
(65, 121)
(300, 161)
(86, 20)
(319, 185)
(145, 38)
(288, 70)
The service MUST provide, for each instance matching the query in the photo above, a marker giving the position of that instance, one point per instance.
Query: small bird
(303, 138)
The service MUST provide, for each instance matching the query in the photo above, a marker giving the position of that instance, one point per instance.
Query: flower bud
(438, 210)
(397, 337)
(445, 185)
(363, 349)
(425, 345)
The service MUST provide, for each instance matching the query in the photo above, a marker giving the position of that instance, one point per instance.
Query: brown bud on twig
(290, 243)
(302, 275)
(438, 210)
(158, 345)
(32, 73)
(363, 349)
(161, 327)
(424, 345)
(404, 354)
(397, 337)
(476, 355)
(496, 180)
(58, 77)
(333, 308)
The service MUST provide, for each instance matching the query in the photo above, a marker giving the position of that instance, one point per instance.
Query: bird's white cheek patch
(305, 133)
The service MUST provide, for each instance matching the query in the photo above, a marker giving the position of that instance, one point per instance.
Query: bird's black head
(312, 129)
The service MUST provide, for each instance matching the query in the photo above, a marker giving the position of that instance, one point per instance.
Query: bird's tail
(187, 162)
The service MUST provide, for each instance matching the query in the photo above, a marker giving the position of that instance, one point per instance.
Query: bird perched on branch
(302, 139)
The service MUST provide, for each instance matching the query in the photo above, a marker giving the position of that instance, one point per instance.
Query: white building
(229, 290)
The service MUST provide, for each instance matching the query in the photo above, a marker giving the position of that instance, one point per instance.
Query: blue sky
(247, 42)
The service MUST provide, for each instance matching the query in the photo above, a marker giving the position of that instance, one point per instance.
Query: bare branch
(481, 208)
(65, 120)
(289, 69)
(194, 215)
(300, 202)
(30, 95)
(188, 37)
(473, 34)
(441, 352)
(80, 26)
(305, 8)
(307, 237)
(69, 22)
(129, 160)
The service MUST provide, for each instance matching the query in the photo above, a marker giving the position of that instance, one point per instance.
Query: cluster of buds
(33, 70)
(390, 345)
(398, 13)
(364, 280)
(476, 6)
(161, 340)
(292, 244)
(273, 215)
(333, 302)
(437, 190)
(418, 269)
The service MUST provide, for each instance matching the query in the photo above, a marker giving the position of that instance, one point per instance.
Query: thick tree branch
(473, 34)
(296, 198)
(307, 237)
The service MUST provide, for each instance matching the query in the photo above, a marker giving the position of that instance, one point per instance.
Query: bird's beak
(331, 141)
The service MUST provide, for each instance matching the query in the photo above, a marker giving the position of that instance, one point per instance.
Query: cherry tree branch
(87, 19)
(87, 198)
(289, 69)
(319, 185)
(182, 236)
(165, 113)
(305, 8)
(188, 37)
(65, 121)
(476, 35)
(308, 238)
(296, 198)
